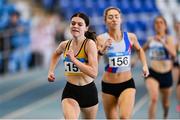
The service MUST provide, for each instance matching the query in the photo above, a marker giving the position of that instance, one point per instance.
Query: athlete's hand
(107, 44)
(160, 39)
(145, 71)
(70, 54)
(51, 77)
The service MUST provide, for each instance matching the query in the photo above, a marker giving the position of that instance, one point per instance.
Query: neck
(161, 34)
(116, 34)
(78, 40)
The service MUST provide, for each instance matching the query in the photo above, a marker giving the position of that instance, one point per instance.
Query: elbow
(94, 74)
(174, 54)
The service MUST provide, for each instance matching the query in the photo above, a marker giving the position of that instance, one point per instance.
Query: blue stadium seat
(149, 6)
(124, 6)
(136, 6)
(130, 26)
(64, 4)
(140, 25)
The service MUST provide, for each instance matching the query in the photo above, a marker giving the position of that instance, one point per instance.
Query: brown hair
(160, 16)
(108, 9)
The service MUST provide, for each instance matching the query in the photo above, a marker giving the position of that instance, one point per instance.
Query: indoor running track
(28, 95)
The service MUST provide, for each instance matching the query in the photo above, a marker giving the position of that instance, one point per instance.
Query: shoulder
(62, 45)
(132, 37)
(170, 37)
(90, 43)
(101, 38)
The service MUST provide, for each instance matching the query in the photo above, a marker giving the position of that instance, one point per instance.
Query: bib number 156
(119, 61)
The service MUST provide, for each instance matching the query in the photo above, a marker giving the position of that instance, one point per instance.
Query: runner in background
(176, 67)
(161, 51)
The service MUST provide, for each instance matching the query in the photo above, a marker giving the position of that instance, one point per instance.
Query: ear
(87, 28)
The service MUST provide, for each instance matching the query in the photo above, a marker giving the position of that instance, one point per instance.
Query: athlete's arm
(146, 45)
(140, 53)
(54, 60)
(102, 45)
(169, 46)
(91, 68)
(99, 47)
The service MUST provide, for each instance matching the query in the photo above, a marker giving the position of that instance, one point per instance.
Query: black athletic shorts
(86, 95)
(165, 80)
(116, 89)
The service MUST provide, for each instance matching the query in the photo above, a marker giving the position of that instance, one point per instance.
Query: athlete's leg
(126, 103)
(90, 112)
(153, 91)
(178, 97)
(178, 88)
(175, 74)
(166, 93)
(70, 108)
(110, 106)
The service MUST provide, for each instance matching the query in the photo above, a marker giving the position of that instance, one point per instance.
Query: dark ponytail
(90, 35)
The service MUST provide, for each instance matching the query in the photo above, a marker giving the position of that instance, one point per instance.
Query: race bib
(71, 67)
(119, 61)
(158, 54)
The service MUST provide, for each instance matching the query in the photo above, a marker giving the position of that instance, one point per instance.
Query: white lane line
(22, 89)
(20, 76)
(140, 103)
(36, 105)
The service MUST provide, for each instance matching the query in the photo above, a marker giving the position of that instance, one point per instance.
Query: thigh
(110, 106)
(178, 92)
(126, 102)
(166, 93)
(70, 108)
(175, 73)
(152, 87)
(90, 112)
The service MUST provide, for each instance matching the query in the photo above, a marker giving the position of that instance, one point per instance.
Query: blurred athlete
(118, 88)
(176, 68)
(161, 49)
(81, 68)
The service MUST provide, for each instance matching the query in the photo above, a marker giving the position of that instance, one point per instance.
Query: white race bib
(119, 61)
(71, 67)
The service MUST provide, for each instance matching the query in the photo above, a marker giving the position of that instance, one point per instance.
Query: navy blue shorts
(86, 95)
(175, 64)
(179, 81)
(116, 89)
(165, 80)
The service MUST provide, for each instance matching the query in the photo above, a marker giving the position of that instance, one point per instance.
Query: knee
(125, 116)
(154, 99)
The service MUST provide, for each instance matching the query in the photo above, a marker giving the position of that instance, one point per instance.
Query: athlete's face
(160, 25)
(113, 19)
(78, 27)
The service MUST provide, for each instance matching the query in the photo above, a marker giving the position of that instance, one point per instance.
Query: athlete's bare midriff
(117, 77)
(79, 80)
(161, 66)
